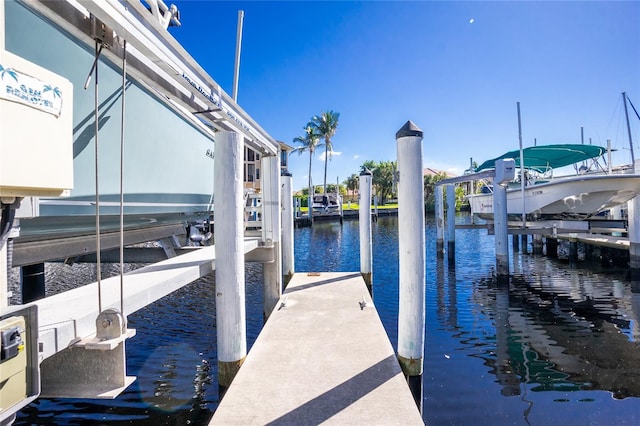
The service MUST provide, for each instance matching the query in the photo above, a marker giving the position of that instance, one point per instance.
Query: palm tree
(309, 142)
(326, 125)
(352, 183)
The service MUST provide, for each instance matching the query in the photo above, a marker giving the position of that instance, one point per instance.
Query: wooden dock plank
(322, 357)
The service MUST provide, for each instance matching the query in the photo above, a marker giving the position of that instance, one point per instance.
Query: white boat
(326, 203)
(585, 194)
(173, 108)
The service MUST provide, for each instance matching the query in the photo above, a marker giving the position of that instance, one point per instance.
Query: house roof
(428, 171)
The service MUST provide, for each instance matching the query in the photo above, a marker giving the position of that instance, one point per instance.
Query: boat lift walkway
(322, 357)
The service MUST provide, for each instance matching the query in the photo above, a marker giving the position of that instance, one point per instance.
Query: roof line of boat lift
(158, 61)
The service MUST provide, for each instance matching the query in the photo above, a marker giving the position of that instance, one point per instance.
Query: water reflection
(554, 329)
(551, 344)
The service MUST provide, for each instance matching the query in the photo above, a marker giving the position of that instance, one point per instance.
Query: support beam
(230, 282)
(552, 247)
(364, 217)
(537, 243)
(525, 243)
(411, 232)
(32, 282)
(573, 250)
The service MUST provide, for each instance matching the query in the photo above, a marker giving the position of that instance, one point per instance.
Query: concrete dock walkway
(322, 357)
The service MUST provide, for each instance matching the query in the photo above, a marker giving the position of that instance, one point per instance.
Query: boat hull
(577, 197)
(167, 158)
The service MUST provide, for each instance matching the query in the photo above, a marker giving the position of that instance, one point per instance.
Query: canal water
(554, 344)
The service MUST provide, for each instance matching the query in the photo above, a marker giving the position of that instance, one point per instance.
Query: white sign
(27, 90)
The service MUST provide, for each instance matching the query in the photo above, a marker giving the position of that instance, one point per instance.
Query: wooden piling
(501, 229)
(287, 219)
(451, 222)
(439, 222)
(230, 283)
(537, 244)
(271, 230)
(366, 257)
(411, 231)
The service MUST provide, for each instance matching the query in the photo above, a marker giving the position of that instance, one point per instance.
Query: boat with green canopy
(589, 191)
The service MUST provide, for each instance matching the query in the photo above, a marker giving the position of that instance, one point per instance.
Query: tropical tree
(352, 183)
(430, 181)
(326, 125)
(383, 177)
(308, 142)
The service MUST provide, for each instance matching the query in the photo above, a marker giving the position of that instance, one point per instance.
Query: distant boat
(327, 207)
(585, 194)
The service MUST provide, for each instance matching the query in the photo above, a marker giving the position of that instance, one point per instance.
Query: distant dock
(322, 357)
(348, 214)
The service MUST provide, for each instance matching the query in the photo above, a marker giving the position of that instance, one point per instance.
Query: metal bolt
(106, 323)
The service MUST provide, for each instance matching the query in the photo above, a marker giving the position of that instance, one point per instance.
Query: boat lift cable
(94, 70)
(122, 121)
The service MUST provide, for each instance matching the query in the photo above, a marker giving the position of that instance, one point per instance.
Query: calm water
(554, 345)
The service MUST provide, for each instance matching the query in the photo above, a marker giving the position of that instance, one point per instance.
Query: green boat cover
(544, 157)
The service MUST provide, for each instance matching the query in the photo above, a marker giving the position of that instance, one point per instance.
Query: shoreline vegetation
(356, 206)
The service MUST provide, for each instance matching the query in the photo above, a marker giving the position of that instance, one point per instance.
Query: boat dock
(322, 357)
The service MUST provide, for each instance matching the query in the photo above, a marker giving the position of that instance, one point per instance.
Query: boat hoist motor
(19, 365)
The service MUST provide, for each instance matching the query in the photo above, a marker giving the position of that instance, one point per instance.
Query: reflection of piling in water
(504, 370)
(581, 339)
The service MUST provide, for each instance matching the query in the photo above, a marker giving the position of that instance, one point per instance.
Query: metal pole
(288, 264)
(522, 176)
(364, 212)
(236, 68)
(634, 232)
(230, 282)
(271, 228)
(439, 221)
(609, 156)
(626, 114)
(411, 231)
(451, 222)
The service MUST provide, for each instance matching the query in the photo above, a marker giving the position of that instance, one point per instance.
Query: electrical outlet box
(505, 171)
(36, 130)
(19, 363)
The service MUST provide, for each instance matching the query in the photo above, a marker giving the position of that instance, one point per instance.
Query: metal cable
(124, 82)
(98, 49)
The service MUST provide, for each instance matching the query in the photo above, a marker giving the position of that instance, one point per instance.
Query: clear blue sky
(456, 69)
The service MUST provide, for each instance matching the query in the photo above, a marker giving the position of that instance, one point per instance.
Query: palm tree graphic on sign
(54, 90)
(8, 71)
